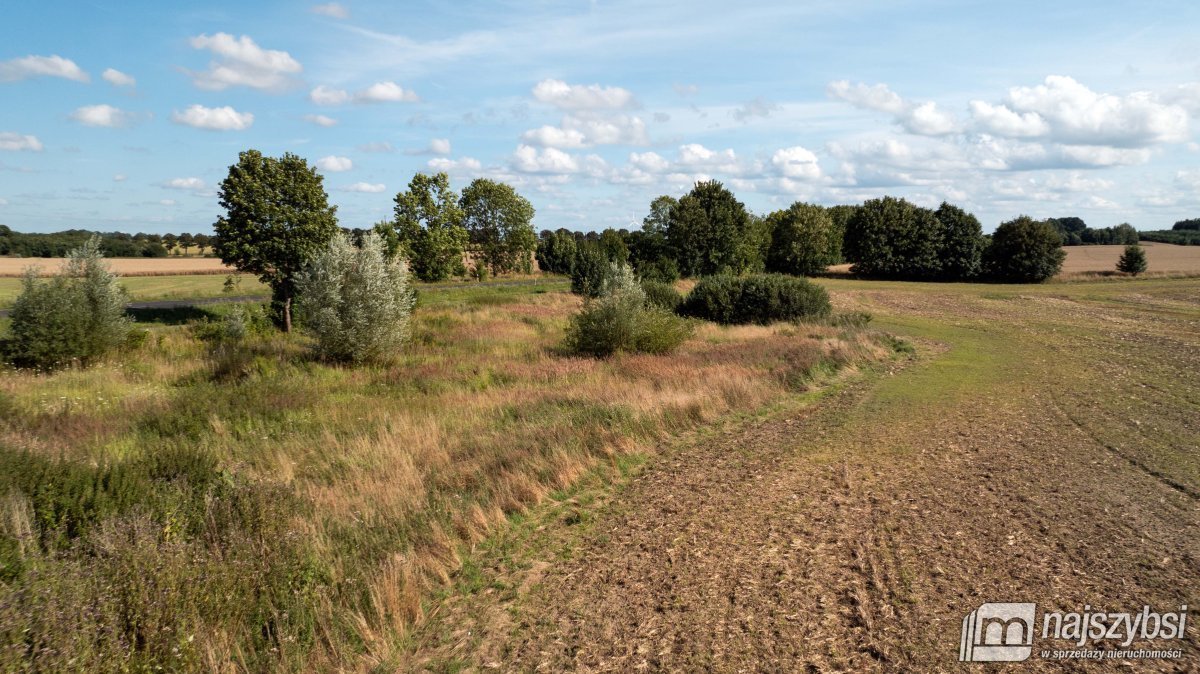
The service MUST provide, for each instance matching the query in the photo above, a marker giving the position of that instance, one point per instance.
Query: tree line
(112, 244)
(708, 232)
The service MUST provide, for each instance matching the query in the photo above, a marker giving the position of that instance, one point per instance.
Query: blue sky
(126, 115)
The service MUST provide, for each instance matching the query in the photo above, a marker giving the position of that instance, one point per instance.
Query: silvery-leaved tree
(76, 316)
(356, 302)
(277, 217)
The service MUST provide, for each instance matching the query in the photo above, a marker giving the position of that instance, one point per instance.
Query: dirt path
(856, 535)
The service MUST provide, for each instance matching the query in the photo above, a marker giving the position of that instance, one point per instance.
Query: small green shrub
(760, 298)
(1133, 260)
(663, 269)
(661, 295)
(77, 316)
(621, 320)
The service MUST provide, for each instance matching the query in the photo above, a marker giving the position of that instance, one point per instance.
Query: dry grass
(400, 465)
(125, 266)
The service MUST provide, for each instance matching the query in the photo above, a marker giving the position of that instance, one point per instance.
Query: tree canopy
(429, 227)
(499, 222)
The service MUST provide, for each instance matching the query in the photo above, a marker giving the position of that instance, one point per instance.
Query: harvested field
(1164, 258)
(125, 266)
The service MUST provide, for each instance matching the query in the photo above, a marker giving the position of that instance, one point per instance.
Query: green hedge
(760, 298)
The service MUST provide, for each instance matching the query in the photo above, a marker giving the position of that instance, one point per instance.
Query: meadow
(194, 505)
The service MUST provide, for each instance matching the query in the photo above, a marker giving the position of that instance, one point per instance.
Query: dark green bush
(590, 270)
(804, 240)
(663, 269)
(621, 319)
(761, 298)
(1024, 250)
(661, 295)
(1133, 260)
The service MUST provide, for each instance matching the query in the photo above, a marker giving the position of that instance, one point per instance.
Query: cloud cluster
(241, 62)
(18, 69)
(16, 142)
(103, 115)
(334, 164)
(213, 119)
(924, 119)
(592, 115)
(380, 92)
(365, 188)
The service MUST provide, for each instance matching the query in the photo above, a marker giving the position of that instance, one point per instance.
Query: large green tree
(277, 217)
(804, 240)
(1024, 250)
(711, 232)
(500, 224)
(961, 243)
(429, 227)
(556, 252)
(893, 238)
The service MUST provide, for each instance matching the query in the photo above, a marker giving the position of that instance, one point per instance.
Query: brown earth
(1041, 447)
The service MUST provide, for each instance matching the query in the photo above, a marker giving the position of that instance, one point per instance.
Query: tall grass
(155, 513)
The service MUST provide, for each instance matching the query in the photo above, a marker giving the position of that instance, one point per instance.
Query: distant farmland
(125, 266)
(1163, 258)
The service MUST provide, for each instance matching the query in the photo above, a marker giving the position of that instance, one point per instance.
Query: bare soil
(1039, 448)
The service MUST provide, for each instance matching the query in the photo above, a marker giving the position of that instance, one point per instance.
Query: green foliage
(429, 228)
(1178, 237)
(961, 250)
(621, 320)
(612, 244)
(1074, 232)
(499, 222)
(804, 240)
(58, 244)
(649, 252)
(1024, 250)
(355, 301)
(590, 270)
(1133, 260)
(1187, 225)
(711, 232)
(556, 252)
(277, 216)
(892, 238)
(661, 295)
(77, 316)
(663, 269)
(760, 298)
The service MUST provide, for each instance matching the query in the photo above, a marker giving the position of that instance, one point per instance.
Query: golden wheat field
(125, 266)
(1163, 258)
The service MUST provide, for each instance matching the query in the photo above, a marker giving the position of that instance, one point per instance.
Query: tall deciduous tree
(429, 227)
(277, 217)
(961, 242)
(556, 252)
(804, 240)
(711, 232)
(1024, 250)
(891, 237)
(500, 224)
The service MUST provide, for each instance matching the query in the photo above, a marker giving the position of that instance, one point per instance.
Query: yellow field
(125, 266)
(1163, 258)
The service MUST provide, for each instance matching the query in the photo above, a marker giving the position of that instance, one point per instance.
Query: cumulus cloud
(332, 9)
(118, 78)
(1002, 154)
(759, 107)
(693, 155)
(321, 120)
(380, 92)
(190, 184)
(440, 146)
(796, 162)
(367, 188)
(334, 164)
(376, 147)
(451, 165)
(23, 68)
(213, 119)
(923, 119)
(15, 142)
(585, 129)
(1067, 112)
(651, 162)
(102, 115)
(582, 96)
(241, 62)
(553, 136)
(545, 160)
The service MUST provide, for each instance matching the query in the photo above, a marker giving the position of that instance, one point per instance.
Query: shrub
(78, 315)
(1133, 260)
(1024, 250)
(589, 271)
(355, 301)
(662, 269)
(804, 240)
(661, 295)
(620, 319)
(761, 298)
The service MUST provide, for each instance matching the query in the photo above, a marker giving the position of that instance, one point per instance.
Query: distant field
(125, 266)
(149, 288)
(1163, 258)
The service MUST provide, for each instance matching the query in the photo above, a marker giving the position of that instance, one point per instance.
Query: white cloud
(1002, 154)
(368, 188)
(693, 155)
(190, 184)
(923, 119)
(385, 92)
(15, 142)
(118, 78)
(334, 164)
(241, 62)
(582, 97)
(332, 9)
(553, 136)
(119, 178)
(321, 120)
(18, 69)
(651, 162)
(998, 119)
(380, 92)
(796, 162)
(377, 146)
(685, 90)
(102, 115)
(759, 107)
(546, 160)
(440, 146)
(214, 119)
(452, 165)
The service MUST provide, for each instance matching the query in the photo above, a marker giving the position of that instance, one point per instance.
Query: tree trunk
(287, 314)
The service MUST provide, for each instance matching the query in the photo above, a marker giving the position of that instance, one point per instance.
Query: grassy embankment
(194, 508)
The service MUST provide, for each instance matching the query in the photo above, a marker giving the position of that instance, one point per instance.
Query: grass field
(204, 507)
